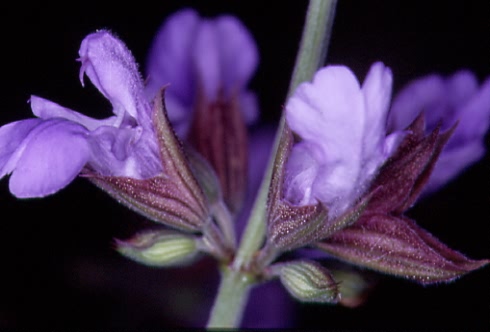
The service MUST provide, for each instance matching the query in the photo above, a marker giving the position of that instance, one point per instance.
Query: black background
(58, 267)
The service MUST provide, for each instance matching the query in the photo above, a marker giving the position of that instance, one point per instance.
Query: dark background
(58, 267)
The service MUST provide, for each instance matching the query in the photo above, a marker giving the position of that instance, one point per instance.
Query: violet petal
(169, 59)
(11, 137)
(112, 69)
(329, 114)
(238, 53)
(209, 56)
(49, 158)
(46, 109)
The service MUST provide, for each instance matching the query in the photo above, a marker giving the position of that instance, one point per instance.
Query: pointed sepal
(307, 281)
(159, 248)
(397, 246)
(158, 199)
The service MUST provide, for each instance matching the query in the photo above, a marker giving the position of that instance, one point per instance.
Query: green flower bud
(308, 281)
(159, 248)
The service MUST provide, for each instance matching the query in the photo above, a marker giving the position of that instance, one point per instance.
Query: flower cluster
(350, 161)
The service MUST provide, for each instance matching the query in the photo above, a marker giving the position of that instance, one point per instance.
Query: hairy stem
(311, 54)
(231, 300)
(235, 284)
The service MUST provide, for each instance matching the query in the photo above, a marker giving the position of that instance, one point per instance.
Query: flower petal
(206, 58)
(11, 137)
(474, 117)
(238, 53)
(377, 95)
(169, 60)
(329, 114)
(46, 109)
(302, 169)
(441, 99)
(422, 95)
(225, 56)
(112, 69)
(49, 158)
(213, 57)
(461, 86)
(110, 148)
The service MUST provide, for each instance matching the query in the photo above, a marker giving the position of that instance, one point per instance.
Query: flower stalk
(231, 299)
(236, 282)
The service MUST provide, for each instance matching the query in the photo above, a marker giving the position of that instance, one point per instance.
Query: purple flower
(345, 184)
(46, 153)
(446, 101)
(343, 136)
(198, 58)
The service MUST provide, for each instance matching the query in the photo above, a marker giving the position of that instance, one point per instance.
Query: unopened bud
(159, 248)
(308, 281)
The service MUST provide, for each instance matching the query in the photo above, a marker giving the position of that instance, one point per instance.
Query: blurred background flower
(60, 270)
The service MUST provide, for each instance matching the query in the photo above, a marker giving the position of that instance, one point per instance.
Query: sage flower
(347, 184)
(46, 153)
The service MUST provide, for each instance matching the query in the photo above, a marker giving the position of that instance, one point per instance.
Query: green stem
(314, 41)
(233, 291)
(232, 296)
(311, 54)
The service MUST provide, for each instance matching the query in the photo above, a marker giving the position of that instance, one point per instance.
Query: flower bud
(159, 248)
(308, 281)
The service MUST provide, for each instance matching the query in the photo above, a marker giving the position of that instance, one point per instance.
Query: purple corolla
(46, 153)
(343, 136)
(348, 181)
